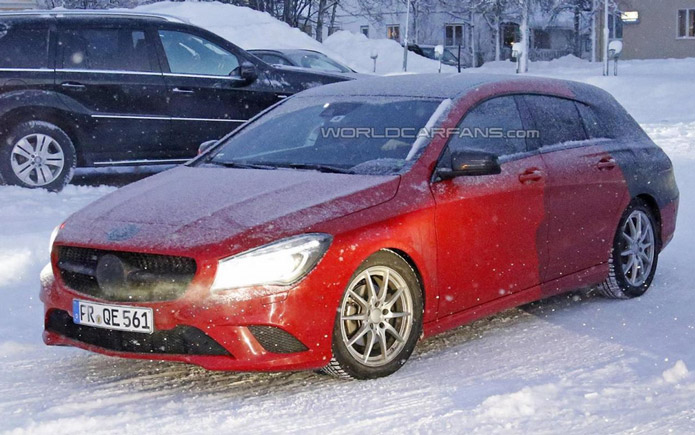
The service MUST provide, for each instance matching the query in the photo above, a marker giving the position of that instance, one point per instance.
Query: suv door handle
(74, 86)
(606, 164)
(183, 91)
(531, 175)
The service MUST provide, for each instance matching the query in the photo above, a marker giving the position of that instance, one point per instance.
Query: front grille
(125, 276)
(181, 340)
(276, 340)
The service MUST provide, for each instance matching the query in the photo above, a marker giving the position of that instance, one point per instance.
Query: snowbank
(250, 29)
(357, 48)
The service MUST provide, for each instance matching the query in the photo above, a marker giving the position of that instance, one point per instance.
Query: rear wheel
(37, 154)
(635, 254)
(379, 319)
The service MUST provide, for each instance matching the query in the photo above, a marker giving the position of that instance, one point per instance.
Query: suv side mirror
(470, 163)
(206, 146)
(248, 72)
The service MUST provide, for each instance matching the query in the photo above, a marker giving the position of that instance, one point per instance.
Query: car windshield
(373, 135)
(320, 61)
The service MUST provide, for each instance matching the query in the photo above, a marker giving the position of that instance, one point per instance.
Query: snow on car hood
(191, 207)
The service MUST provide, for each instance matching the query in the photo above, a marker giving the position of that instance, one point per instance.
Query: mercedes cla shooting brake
(338, 228)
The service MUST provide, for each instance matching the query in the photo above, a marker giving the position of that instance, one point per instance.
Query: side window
(23, 48)
(106, 49)
(494, 127)
(592, 123)
(274, 60)
(557, 119)
(191, 54)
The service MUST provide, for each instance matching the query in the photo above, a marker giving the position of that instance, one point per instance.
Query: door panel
(108, 77)
(585, 188)
(491, 230)
(207, 99)
(491, 234)
(585, 192)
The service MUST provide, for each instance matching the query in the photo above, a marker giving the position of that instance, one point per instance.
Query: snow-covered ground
(572, 364)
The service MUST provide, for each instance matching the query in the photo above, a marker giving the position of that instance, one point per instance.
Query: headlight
(54, 234)
(280, 263)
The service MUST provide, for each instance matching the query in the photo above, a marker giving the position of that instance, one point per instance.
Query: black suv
(98, 89)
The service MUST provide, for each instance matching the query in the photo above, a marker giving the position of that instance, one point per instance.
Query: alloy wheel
(37, 159)
(637, 248)
(376, 316)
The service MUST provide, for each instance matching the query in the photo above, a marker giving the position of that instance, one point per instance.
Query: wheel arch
(651, 203)
(411, 262)
(42, 113)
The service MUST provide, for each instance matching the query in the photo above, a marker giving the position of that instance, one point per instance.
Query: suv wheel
(635, 254)
(37, 154)
(379, 319)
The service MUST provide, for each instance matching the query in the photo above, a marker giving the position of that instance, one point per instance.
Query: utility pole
(405, 42)
(594, 11)
(606, 36)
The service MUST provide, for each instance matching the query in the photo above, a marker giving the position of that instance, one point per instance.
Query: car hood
(196, 207)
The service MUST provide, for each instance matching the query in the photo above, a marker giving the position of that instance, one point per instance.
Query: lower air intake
(181, 340)
(276, 340)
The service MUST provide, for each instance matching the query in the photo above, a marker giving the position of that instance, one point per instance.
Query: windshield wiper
(315, 167)
(241, 165)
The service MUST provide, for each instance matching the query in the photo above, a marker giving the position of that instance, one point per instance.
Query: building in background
(658, 29)
(452, 25)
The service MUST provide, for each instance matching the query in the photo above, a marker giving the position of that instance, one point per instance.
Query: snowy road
(572, 364)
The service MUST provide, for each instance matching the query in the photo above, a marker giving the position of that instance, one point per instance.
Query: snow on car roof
(439, 86)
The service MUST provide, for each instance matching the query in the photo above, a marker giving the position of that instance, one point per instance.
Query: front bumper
(287, 330)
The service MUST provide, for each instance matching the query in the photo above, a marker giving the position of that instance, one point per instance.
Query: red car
(338, 228)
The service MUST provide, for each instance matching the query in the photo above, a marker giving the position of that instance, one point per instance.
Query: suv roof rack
(94, 12)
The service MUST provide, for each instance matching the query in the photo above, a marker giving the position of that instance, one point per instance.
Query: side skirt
(583, 279)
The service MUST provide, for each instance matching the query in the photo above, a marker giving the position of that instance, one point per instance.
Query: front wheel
(379, 319)
(635, 254)
(37, 154)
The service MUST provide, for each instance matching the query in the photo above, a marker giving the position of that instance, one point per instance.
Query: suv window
(23, 48)
(557, 119)
(106, 49)
(191, 54)
(491, 127)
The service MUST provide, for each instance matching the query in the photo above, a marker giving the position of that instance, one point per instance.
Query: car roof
(87, 13)
(443, 86)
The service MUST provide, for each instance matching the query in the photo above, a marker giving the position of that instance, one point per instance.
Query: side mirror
(206, 146)
(470, 163)
(248, 72)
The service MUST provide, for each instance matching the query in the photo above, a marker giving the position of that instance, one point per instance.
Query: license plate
(116, 317)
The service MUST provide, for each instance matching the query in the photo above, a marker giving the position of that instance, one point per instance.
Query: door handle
(73, 85)
(606, 164)
(183, 91)
(531, 175)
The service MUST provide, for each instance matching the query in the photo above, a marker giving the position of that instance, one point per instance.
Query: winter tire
(379, 319)
(37, 154)
(635, 254)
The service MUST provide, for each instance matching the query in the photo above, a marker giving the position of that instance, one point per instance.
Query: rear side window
(23, 48)
(557, 120)
(106, 49)
(493, 127)
(594, 127)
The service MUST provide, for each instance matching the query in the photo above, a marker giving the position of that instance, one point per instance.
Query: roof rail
(94, 12)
